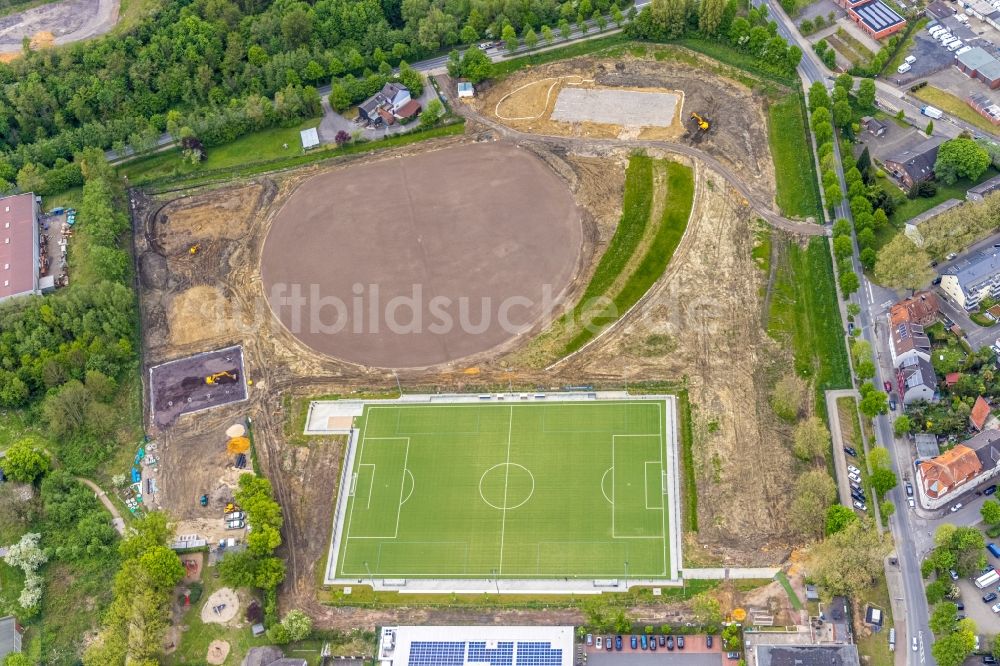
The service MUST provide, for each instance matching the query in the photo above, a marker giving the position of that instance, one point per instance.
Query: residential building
(466, 645)
(805, 655)
(973, 278)
(876, 18)
(385, 105)
(921, 308)
(19, 249)
(916, 380)
(269, 655)
(913, 226)
(980, 413)
(979, 192)
(986, 444)
(873, 126)
(941, 475)
(907, 343)
(914, 165)
(10, 636)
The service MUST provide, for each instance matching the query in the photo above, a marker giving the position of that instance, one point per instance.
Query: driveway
(333, 122)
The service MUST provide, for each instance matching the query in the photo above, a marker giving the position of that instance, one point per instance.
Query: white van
(942, 36)
(956, 45)
(910, 59)
(936, 30)
(964, 49)
(904, 68)
(961, 18)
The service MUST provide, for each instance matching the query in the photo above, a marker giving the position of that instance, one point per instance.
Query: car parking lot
(694, 653)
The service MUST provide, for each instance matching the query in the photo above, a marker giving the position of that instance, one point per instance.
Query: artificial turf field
(509, 490)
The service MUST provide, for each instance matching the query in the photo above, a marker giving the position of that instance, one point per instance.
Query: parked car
(618, 642)
(910, 59)
(635, 641)
(854, 477)
(732, 655)
(937, 281)
(851, 451)
(911, 502)
(959, 605)
(989, 598)
(644, 642)
(663, 640)
(590, 640)
(670, 642)
(853, 469)
(652, 643)
(855, 485)
(953, 574)
(861, 506)
(607, 643)
(996, 608)
(680, 642)
(892, 404)
(956, 507)
(909, 489)
(708, 641)
(914, 643)
(989, 490)
(600, 641)
(990, 659)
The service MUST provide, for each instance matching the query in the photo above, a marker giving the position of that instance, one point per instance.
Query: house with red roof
(19, 250)
(980, 413)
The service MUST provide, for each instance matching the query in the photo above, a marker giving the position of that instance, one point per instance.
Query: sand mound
(217, 652)
(221, 607)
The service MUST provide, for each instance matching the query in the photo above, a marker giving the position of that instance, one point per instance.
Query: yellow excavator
(223, 377)
(702, 123)
(194, 249)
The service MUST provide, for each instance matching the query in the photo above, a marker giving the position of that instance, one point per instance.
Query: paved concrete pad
(630, 108)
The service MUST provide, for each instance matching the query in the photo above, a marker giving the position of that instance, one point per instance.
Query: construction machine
(193, 250)
(702, 123)
(224, 377)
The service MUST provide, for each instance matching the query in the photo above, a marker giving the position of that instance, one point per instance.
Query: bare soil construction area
(58, 23)
(738, 136)
(700, 326)
(422, 260)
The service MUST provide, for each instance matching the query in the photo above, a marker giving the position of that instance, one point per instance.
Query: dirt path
(67, 21)
(760, 207)
(116, 518)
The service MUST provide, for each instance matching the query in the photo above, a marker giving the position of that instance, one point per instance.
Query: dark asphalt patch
(179, 387)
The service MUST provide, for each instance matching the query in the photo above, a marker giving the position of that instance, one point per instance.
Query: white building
(475, 645)
(908, 342)
(972, 279)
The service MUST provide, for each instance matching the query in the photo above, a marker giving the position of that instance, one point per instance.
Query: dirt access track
(702, 325)
(58, 23)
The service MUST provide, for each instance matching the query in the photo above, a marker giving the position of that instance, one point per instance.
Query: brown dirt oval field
(424, 259)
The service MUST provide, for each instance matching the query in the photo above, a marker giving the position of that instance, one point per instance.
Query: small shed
(310, 138)
(465, 89)
(812, 594)
(927, 445)
(873, 126)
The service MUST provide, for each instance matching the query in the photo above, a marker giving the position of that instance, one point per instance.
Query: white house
(908, 343)
(916, 380)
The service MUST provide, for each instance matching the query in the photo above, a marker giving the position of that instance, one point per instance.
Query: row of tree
(751, 33)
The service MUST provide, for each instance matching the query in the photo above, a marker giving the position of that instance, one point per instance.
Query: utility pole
(398, 385)
(370, 577)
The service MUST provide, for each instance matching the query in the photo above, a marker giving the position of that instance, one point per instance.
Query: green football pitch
(509, 490)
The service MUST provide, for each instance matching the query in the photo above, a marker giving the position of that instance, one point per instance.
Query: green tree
(25, 461)
(710, 14)
(548, 35)
(873, 402)
(944, 618)
(813, 495)
(952, 650)
(617, 16)
(811, 439)
(469, 35)
(850, 560)
(902, 426)
(509, 37)
(865, 369)
(990, 512)
(883, 480)
(937, 590)
(849, 283)
(818, 96)
(530, 37)
(564, 29)
(903, 265)
(930, 128)
(866, 94)
(430, 115)
(960, 158)
(838, 517)
(17, 659)
(298, 625)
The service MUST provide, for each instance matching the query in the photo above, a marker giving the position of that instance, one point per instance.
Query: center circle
(506, 486)
(419, 260)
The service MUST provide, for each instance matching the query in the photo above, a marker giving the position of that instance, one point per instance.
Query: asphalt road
(872, 299)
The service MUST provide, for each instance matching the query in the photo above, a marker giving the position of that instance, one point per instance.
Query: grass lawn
(805, 314)
(792, 597)
(954, 105)
(515, 490)
(948, 357)
(855, 44)
(797, 188)
(910, 208)
(259, 146)
(621, 252)
(874, 648)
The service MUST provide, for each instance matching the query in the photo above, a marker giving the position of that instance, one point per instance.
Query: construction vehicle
(224, 377)
(193, 250)
(203, 500)
(702, 123)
